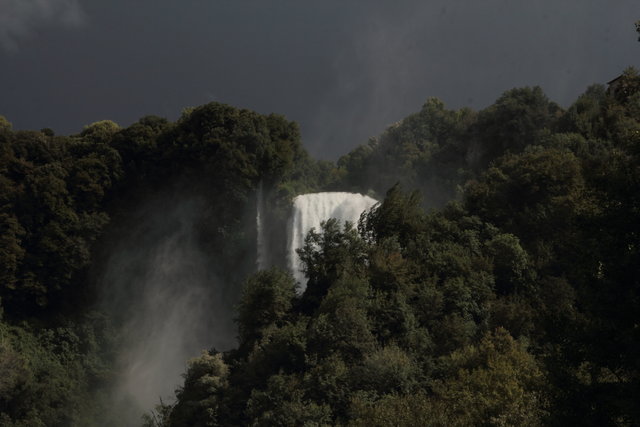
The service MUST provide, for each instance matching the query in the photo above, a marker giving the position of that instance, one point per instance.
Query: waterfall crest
(310, 210)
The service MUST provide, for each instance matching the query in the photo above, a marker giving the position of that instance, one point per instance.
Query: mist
(167, 300)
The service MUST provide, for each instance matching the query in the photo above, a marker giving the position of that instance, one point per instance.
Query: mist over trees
(495, 284)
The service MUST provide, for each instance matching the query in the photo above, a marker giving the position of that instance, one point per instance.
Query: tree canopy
(496, 283)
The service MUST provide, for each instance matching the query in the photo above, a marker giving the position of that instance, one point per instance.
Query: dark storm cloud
(468, 53)
(21, 18)
(343, 70)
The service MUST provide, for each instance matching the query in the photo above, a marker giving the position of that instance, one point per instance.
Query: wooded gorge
(497, 282)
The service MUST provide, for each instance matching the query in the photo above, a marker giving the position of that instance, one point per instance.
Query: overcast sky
(344, 70)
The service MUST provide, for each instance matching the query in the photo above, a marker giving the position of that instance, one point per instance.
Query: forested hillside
(513, 304)
(497, 283)
(62, 199)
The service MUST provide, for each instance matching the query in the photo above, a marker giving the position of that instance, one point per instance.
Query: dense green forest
(497, 282)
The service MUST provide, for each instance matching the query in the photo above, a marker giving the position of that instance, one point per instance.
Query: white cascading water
(261, 259)
(310, 210)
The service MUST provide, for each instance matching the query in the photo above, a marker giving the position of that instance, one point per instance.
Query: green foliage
(266, 299)
(238, 147)
(51, 214)
(398, 410)
(584, 116)
(58, 197)
(100, 132)
(137, 146)
(626, 86)
(11, 252)
(341, 327)
(5, 125)
(535, 196)
(329, 256)
(387, 370)
(515, 305)
(496, 382)
(379, 314)
(283, 404)
(511, 263)
(197, 403)
(411, 320)
(48, 377)
(398, 216)
(517, 119)
(437, 150)
(427, 150)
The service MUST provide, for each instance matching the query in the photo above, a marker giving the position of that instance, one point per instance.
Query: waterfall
(261, 259)
(310, 210)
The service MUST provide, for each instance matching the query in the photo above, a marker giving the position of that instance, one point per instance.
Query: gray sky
(343, 69)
